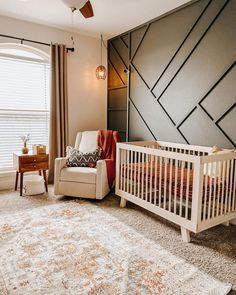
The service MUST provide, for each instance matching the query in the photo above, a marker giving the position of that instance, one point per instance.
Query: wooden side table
(29, 163)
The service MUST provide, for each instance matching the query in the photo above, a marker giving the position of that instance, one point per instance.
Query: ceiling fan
(84, 6)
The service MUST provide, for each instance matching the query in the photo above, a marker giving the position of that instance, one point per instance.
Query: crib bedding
(168, 177)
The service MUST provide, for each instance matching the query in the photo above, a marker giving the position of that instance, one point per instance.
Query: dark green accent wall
(181, 79)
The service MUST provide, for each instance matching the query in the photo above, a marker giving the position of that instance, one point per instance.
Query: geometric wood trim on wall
(181, 75)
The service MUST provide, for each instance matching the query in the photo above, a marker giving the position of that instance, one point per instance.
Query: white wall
(87, 95)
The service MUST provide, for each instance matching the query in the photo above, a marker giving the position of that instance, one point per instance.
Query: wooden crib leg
(226, 223)
(233, 221)
(185, 234)
(123, 202)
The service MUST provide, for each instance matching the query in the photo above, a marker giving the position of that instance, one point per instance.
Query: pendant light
(101, 71)
(75, 4)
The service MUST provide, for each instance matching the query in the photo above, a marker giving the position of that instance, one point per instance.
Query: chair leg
(185, 235)
(123, 202)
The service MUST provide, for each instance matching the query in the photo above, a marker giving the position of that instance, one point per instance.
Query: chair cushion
(88, 142)
(79, 174)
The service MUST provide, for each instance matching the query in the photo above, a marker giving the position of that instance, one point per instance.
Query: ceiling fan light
(74, 3)
(101, 73)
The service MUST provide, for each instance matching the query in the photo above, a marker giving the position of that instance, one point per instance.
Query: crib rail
(174, 147)
(176, 182)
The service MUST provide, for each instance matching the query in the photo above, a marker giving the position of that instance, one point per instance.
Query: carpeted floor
(213, 251)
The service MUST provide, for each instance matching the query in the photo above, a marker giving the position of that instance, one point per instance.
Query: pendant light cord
(102, 44)
(101, 48)
(72, 24)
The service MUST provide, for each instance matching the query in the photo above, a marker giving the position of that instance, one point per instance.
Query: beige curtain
(59, 106)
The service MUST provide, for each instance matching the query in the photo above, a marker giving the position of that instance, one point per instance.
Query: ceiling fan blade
(87, 10)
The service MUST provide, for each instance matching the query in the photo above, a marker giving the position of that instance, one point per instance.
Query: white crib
(183, 183)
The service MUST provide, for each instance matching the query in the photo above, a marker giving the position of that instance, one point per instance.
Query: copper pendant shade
(101, 73)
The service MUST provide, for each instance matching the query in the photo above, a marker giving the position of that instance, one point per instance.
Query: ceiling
(112, 17)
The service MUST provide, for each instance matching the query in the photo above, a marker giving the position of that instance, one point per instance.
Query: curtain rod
(32, 41)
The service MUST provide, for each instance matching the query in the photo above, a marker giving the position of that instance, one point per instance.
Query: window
(24, 99)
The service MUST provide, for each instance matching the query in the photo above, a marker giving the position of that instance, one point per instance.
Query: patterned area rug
(78, 248)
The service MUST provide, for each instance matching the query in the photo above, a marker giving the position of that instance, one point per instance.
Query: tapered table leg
(21, 183)
(16, 183)
(45, 180)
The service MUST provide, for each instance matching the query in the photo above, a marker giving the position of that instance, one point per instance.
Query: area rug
(78, 248)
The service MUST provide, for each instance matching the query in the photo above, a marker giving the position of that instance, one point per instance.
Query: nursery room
(117, 147)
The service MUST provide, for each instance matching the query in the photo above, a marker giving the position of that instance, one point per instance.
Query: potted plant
(25, 139)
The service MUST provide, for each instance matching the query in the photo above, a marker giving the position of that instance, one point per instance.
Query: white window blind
(24, 105)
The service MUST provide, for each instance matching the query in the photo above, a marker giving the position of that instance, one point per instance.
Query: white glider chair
(84, 182)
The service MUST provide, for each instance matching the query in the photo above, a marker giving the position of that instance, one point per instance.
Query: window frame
(43, 57)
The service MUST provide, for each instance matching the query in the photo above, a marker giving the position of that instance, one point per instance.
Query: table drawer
(33, 159)
(24, 167)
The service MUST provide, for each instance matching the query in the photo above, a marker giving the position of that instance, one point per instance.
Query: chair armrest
(101, 164)
(60, 163)
(102, 186)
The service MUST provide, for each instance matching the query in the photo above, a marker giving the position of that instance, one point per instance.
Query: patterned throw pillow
(75, 158)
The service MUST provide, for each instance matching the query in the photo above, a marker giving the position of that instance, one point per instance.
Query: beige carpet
(212, 252)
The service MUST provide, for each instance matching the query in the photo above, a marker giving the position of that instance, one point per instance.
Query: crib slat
(139, 171)
(205, 190)
(142, 187)
(131, 172)
(187, 190)
(214, 191)
(230, 185)
(176, 178)
(128, 171)
(170, 184)
(227, 186)
(155, 182)
(150, 182)
(146, 183)
(125, 170)
(219, 164)
(181, 188)
(160, 182)
(165, 182)
(122, 170)
(234, 188)
(223, 188)
(210, 192)
(135, 174)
